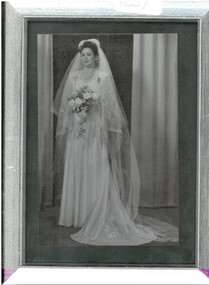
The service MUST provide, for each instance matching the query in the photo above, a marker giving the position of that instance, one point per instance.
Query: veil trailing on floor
(116, 138)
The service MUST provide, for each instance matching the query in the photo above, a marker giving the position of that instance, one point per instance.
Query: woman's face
(88, 57)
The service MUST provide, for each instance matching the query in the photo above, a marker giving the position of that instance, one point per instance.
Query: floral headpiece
(95, 41)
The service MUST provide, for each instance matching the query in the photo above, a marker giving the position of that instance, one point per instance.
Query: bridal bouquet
(83, 101)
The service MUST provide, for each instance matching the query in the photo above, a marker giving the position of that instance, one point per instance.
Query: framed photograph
(105, 139)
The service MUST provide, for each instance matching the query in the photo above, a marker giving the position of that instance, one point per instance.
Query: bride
(100, 179)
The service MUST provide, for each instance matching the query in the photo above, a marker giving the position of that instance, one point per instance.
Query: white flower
(87, 96)
(78, 101)
(72, 102)
(82, 114)
(95, 96)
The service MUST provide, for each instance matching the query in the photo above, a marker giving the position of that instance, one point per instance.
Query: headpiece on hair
(95, 41)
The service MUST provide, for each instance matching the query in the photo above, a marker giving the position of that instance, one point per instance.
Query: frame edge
(14, 142)
(203, 151)
(13, 160)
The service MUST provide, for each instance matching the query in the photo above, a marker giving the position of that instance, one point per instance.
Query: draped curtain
(155, 117)
(154, 127)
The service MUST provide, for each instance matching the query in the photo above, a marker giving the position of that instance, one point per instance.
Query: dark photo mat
(184, 254)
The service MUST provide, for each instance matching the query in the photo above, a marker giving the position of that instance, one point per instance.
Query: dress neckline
(88, 80)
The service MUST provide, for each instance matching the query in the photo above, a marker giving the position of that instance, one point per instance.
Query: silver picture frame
(15, 92)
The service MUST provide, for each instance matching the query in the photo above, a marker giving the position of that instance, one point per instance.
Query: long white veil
(116, 124)
(122, 158)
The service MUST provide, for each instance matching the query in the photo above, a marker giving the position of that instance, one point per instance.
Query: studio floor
(50, 233)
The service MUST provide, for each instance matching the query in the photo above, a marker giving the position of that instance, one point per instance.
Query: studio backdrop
(144, 67)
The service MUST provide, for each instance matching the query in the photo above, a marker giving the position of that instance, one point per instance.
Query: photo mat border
(17, 162)
(120, 256)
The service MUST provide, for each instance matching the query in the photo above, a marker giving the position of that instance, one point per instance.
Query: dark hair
(91, 45)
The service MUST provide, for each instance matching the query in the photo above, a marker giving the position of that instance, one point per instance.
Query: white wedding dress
(91, 199)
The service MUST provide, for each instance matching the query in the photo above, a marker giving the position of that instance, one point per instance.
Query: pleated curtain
(155, 117)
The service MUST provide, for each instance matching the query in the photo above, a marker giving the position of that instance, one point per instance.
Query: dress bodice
(94, 114)
(93, 83)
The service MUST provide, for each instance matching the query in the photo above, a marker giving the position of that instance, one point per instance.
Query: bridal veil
(122, 158)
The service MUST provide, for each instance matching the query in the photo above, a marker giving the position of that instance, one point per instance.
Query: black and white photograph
(105, 154)
(108, 139)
